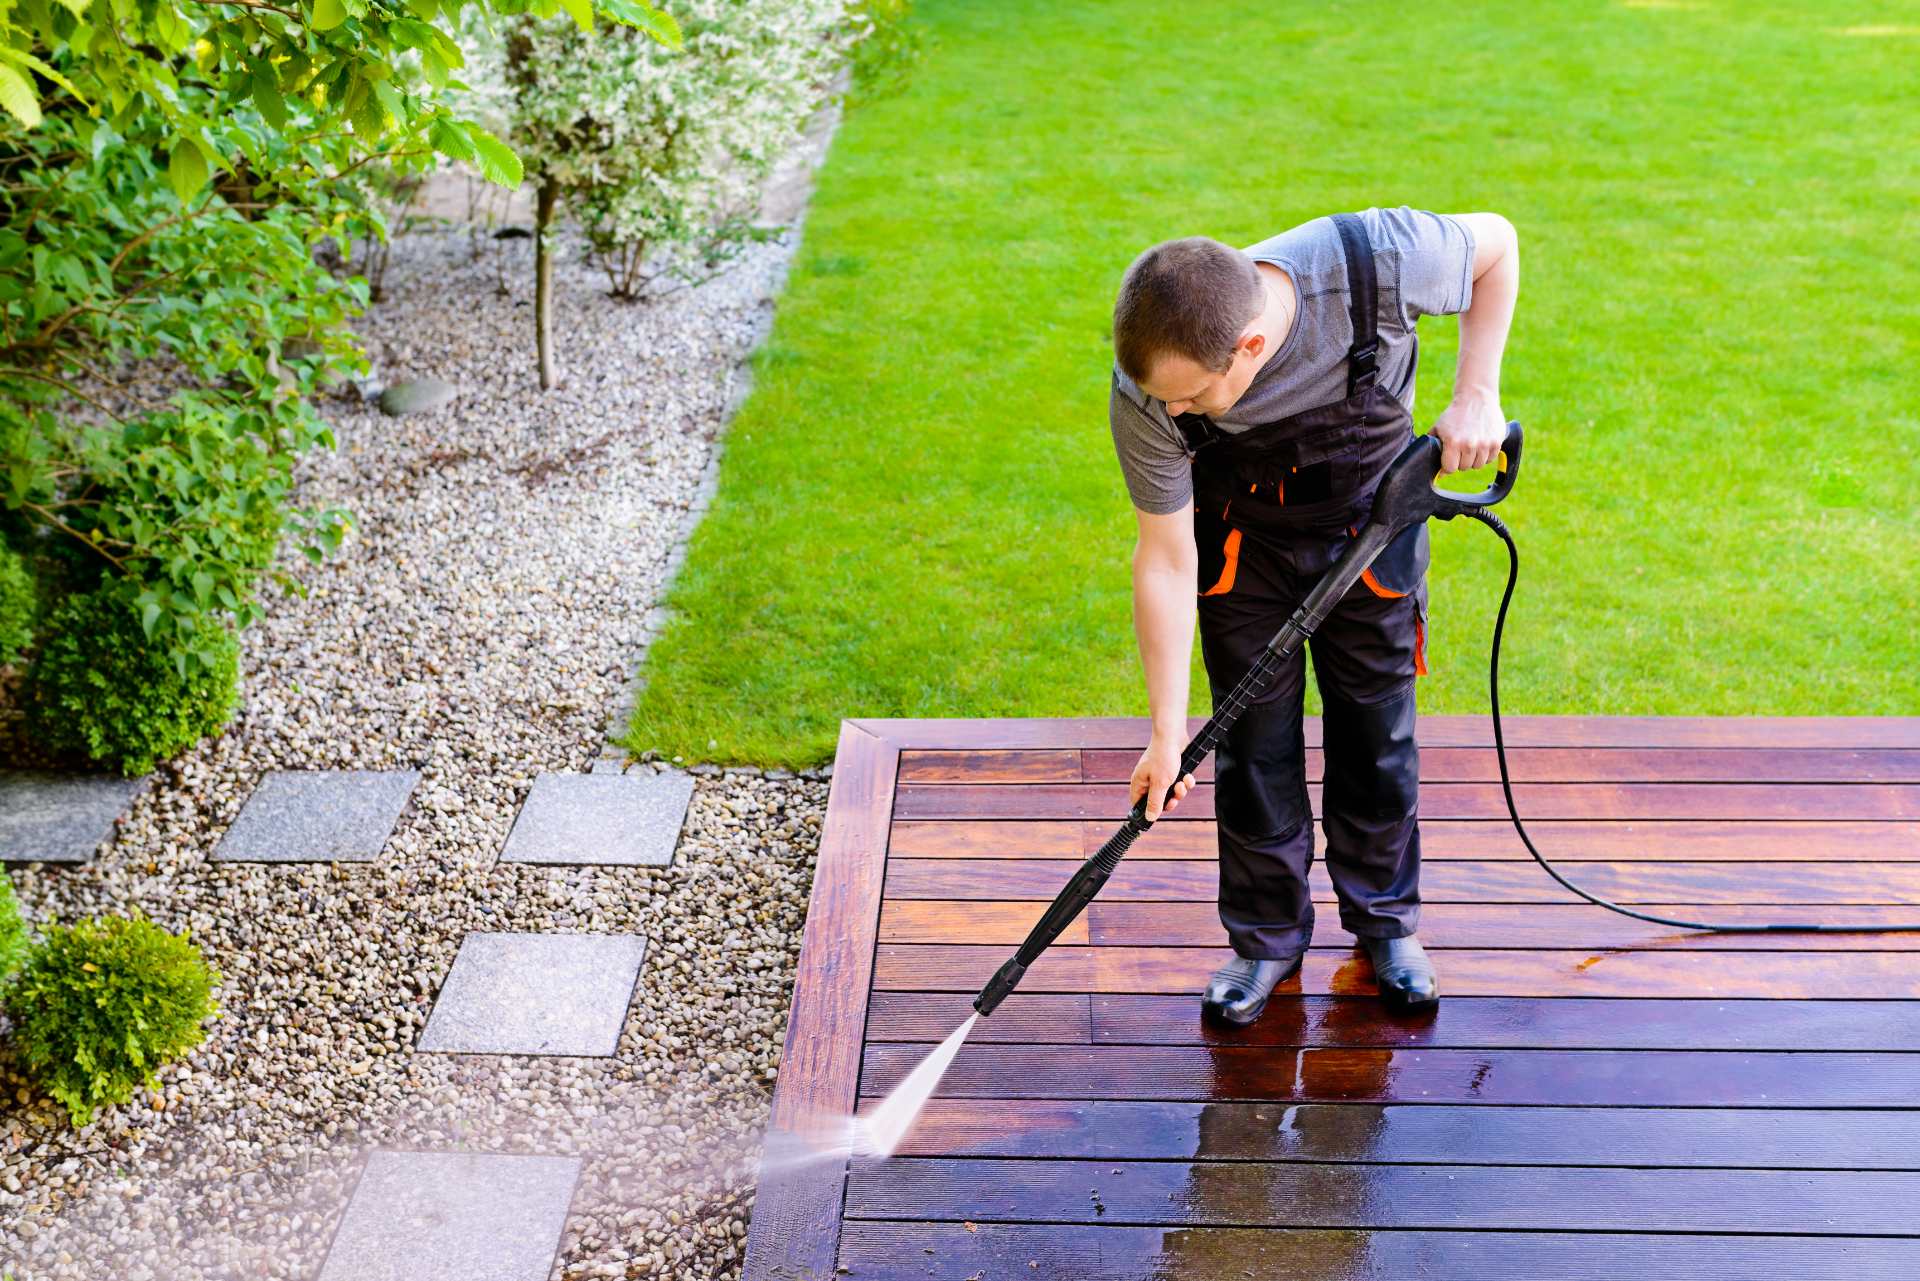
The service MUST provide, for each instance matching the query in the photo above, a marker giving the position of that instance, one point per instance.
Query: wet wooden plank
(1743, 801)
(1479, 1134)
(1024, 1018)
(796, 1217)
(1569, 840)
(1862, 1203)
(881, 1250)
(1598, 1078)
(1538, 973)
(1442, 925)
(992, 765)
(1592, 765)
(1460, 1022)
(1459, 881)
(1436, 731)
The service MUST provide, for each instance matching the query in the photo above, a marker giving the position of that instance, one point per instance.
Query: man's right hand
(1154, 775)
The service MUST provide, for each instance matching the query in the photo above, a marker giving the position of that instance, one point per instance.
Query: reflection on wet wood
(1483, 1134)
(1190, 881)
(1460, 1022)
(1744, 801)
(1796, 975)
(907, 1251)
(1607, 1078)
(1856, 1202)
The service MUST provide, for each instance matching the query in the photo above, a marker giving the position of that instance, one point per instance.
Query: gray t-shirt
(1424, 262)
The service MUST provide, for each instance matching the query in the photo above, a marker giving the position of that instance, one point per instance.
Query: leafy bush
(101, 686)
(102, 1004)
(162, 209)
(659, 149)
(13, 932)
(19, 604)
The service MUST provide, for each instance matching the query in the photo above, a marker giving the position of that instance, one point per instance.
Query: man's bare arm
(1472, 427)
(1165, 566)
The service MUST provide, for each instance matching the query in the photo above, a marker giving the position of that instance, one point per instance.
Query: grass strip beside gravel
(919, 510)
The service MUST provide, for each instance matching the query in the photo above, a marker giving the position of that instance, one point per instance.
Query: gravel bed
(480, 626)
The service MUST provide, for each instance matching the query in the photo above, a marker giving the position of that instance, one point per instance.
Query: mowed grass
(1714, 357)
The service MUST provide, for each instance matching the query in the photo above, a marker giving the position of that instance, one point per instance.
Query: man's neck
(1276, 320)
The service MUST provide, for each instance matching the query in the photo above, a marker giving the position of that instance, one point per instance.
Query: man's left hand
(1471, 431)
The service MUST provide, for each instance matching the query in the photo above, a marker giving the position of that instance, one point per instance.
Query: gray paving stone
(536, 994)
(453, 1216)
(632, 819)
(318, 816)
(47, 816)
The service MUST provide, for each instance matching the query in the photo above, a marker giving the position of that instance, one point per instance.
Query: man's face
(1190, 387)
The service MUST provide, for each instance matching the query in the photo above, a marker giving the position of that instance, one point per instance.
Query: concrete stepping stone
(318, 816)
(630, 819)
(47, 816)
(563, 994)
(453, 1216)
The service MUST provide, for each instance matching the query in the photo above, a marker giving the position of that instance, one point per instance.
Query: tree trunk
(543, 283)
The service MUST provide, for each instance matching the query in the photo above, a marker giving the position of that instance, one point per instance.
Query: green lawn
(1714, 356)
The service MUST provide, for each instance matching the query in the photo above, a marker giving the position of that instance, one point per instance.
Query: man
(1258, 395)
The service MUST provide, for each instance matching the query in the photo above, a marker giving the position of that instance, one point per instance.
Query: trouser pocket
(1218, 545)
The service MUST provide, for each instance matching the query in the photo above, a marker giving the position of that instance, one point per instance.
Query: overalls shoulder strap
(1363, 289)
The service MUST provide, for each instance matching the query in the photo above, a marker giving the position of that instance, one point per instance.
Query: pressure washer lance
(1406, 494)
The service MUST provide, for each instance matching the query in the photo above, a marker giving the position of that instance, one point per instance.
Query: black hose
(1499, 527)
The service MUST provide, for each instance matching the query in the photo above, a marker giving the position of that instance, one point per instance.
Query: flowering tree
(660, 153)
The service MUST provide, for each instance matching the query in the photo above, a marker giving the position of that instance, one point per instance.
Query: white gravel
(482, 626)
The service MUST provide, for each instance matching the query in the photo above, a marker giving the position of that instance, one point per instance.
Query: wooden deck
(1595, 1095)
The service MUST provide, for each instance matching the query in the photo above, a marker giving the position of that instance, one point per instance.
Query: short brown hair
(1190, 297)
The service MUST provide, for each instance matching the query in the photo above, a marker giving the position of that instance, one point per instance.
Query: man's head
(1185, 324)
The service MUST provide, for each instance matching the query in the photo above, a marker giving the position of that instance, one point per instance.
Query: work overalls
(1273, 507)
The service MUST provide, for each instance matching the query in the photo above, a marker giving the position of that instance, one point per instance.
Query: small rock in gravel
(417, 396)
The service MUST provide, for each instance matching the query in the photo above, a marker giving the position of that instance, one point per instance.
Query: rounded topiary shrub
(13, 932)
(99, 686)
(19, 604)
(100, 1005)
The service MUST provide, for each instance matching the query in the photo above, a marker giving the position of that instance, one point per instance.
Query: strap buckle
(1198, 431)
(1362, 367)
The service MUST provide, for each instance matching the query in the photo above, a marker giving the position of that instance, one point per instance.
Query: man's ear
(1253, 344)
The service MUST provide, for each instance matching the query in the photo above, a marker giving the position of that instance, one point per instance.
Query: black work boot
(1239, 989)
(1406, 977)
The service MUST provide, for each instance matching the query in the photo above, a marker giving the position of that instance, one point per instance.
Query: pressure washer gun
(1406, 495)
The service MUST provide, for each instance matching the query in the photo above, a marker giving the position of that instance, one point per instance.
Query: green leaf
(18, 97)
(266, 93)
(390, 99)
(186, 169)
(149, 614)
(450, 140)
(497, 161)
(170, 27)
(28, 60)
(328, 14)
(638, 13)
(581, 11)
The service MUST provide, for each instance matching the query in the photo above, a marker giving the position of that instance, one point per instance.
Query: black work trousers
(1366, 656)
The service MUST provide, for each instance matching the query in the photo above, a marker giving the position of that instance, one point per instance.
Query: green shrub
(13, 932)
(102, 1004)
(100, 685)
(19, 604)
